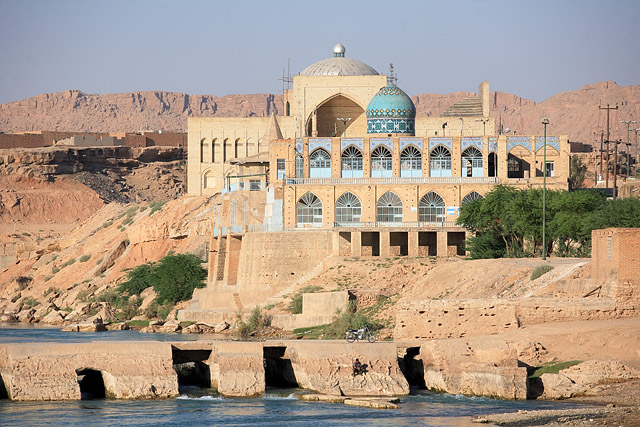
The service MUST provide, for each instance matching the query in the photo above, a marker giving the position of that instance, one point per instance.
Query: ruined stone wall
(8, 140)
(440, 319)
(615, 256)
(48, 371)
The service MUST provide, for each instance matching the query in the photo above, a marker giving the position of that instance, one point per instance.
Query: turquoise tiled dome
(391, 111)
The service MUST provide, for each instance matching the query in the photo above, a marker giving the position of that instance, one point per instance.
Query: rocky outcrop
(584, 378)
(574, 113)
(481, 367)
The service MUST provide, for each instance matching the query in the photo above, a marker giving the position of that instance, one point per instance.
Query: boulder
(221, 327)
(371, 403)
(53, 318)
(8, 318)
(85, 327)
(148, 296)
(121, 326)
(558, 386)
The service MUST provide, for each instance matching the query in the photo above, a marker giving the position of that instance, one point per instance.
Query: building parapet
(392, 180)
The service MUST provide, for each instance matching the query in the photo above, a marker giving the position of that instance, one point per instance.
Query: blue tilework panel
(357, 142)
(552, 141)
(471, 142)
(447, 142)
(513, 141)
(404, 142)
(387, 142)
(493, 144)
(315, 143)
(390, 125)
(299, 142)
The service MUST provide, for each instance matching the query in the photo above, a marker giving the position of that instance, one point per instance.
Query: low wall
(129, 370)
(439, 319)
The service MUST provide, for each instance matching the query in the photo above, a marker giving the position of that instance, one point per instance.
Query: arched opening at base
(413, 369)
(278, 371)
(91, 384)
(191, 367)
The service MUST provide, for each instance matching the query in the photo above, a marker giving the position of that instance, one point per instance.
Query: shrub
(295, 305)
(537, 371)
(30, 302)
(85, 258)
(155, 206)
(256, 322)
(23, 282)
(540, 270)
(107, 224)
(50, 290)
(26, 234)
(47, 278)
(349, 319)
(67, 263)
(83, 295)
(54, 270)
(158, 311)
(139, 279)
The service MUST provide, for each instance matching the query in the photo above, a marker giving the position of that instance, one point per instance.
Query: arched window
(381, 163)
(202, 145)
(411, 162)
(471, 162)
(348, 208)
(236, 148)
(225, 143)
(431, 208)
(514, 167)
(389, 208)
(299, 166)
(440, 162)
(492, 163)
(213, 150)
(320, 164)
(474, 195)
(309, 211)
(351, 162)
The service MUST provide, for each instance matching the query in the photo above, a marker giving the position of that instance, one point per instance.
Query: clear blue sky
(530, 48)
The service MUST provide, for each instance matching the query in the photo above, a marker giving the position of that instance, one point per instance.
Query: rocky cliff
(574, 113)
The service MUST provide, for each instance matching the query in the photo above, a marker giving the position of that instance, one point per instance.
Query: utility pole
(615, 170)
(636, 131)
(608, 110)
(545, 122)
(628, 122)
(601, 151)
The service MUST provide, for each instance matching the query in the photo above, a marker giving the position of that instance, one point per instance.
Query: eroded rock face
(584, 378)
(478, 366)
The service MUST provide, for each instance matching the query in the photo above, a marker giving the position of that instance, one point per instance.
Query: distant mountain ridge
(574, 113)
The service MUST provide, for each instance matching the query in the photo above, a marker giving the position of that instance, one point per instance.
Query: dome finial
(339, 50)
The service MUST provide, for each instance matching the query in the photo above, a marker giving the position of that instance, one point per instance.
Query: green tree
(176, 276)
(578, 172)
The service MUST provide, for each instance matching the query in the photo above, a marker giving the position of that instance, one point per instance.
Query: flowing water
(199, 406)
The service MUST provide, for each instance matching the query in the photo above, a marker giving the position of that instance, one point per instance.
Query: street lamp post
(628, 170)
(628, 122)
(636, 131)
(545, 122)
(344, 121)
(484, 126)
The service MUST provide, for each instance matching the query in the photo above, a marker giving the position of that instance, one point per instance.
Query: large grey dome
(339, 66)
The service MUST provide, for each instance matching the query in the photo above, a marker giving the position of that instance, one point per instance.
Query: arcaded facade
(350, 155)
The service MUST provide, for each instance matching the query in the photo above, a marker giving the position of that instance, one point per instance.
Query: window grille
(309, 210)
(440, 162)
(389, 208)
(320, 164)
(381, 162)
(411, 162)
(299, 166)
(348, 208)
(351, 163)
(281, 168)
(431, 208)
(474, 195)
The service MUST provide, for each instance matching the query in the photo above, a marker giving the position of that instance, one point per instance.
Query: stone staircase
(222, 255)
(277, 298)
(465, 107)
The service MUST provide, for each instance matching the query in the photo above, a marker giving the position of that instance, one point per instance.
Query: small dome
(339, 66)
(391, 111)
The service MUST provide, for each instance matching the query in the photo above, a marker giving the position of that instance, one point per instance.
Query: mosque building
(351, 156)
